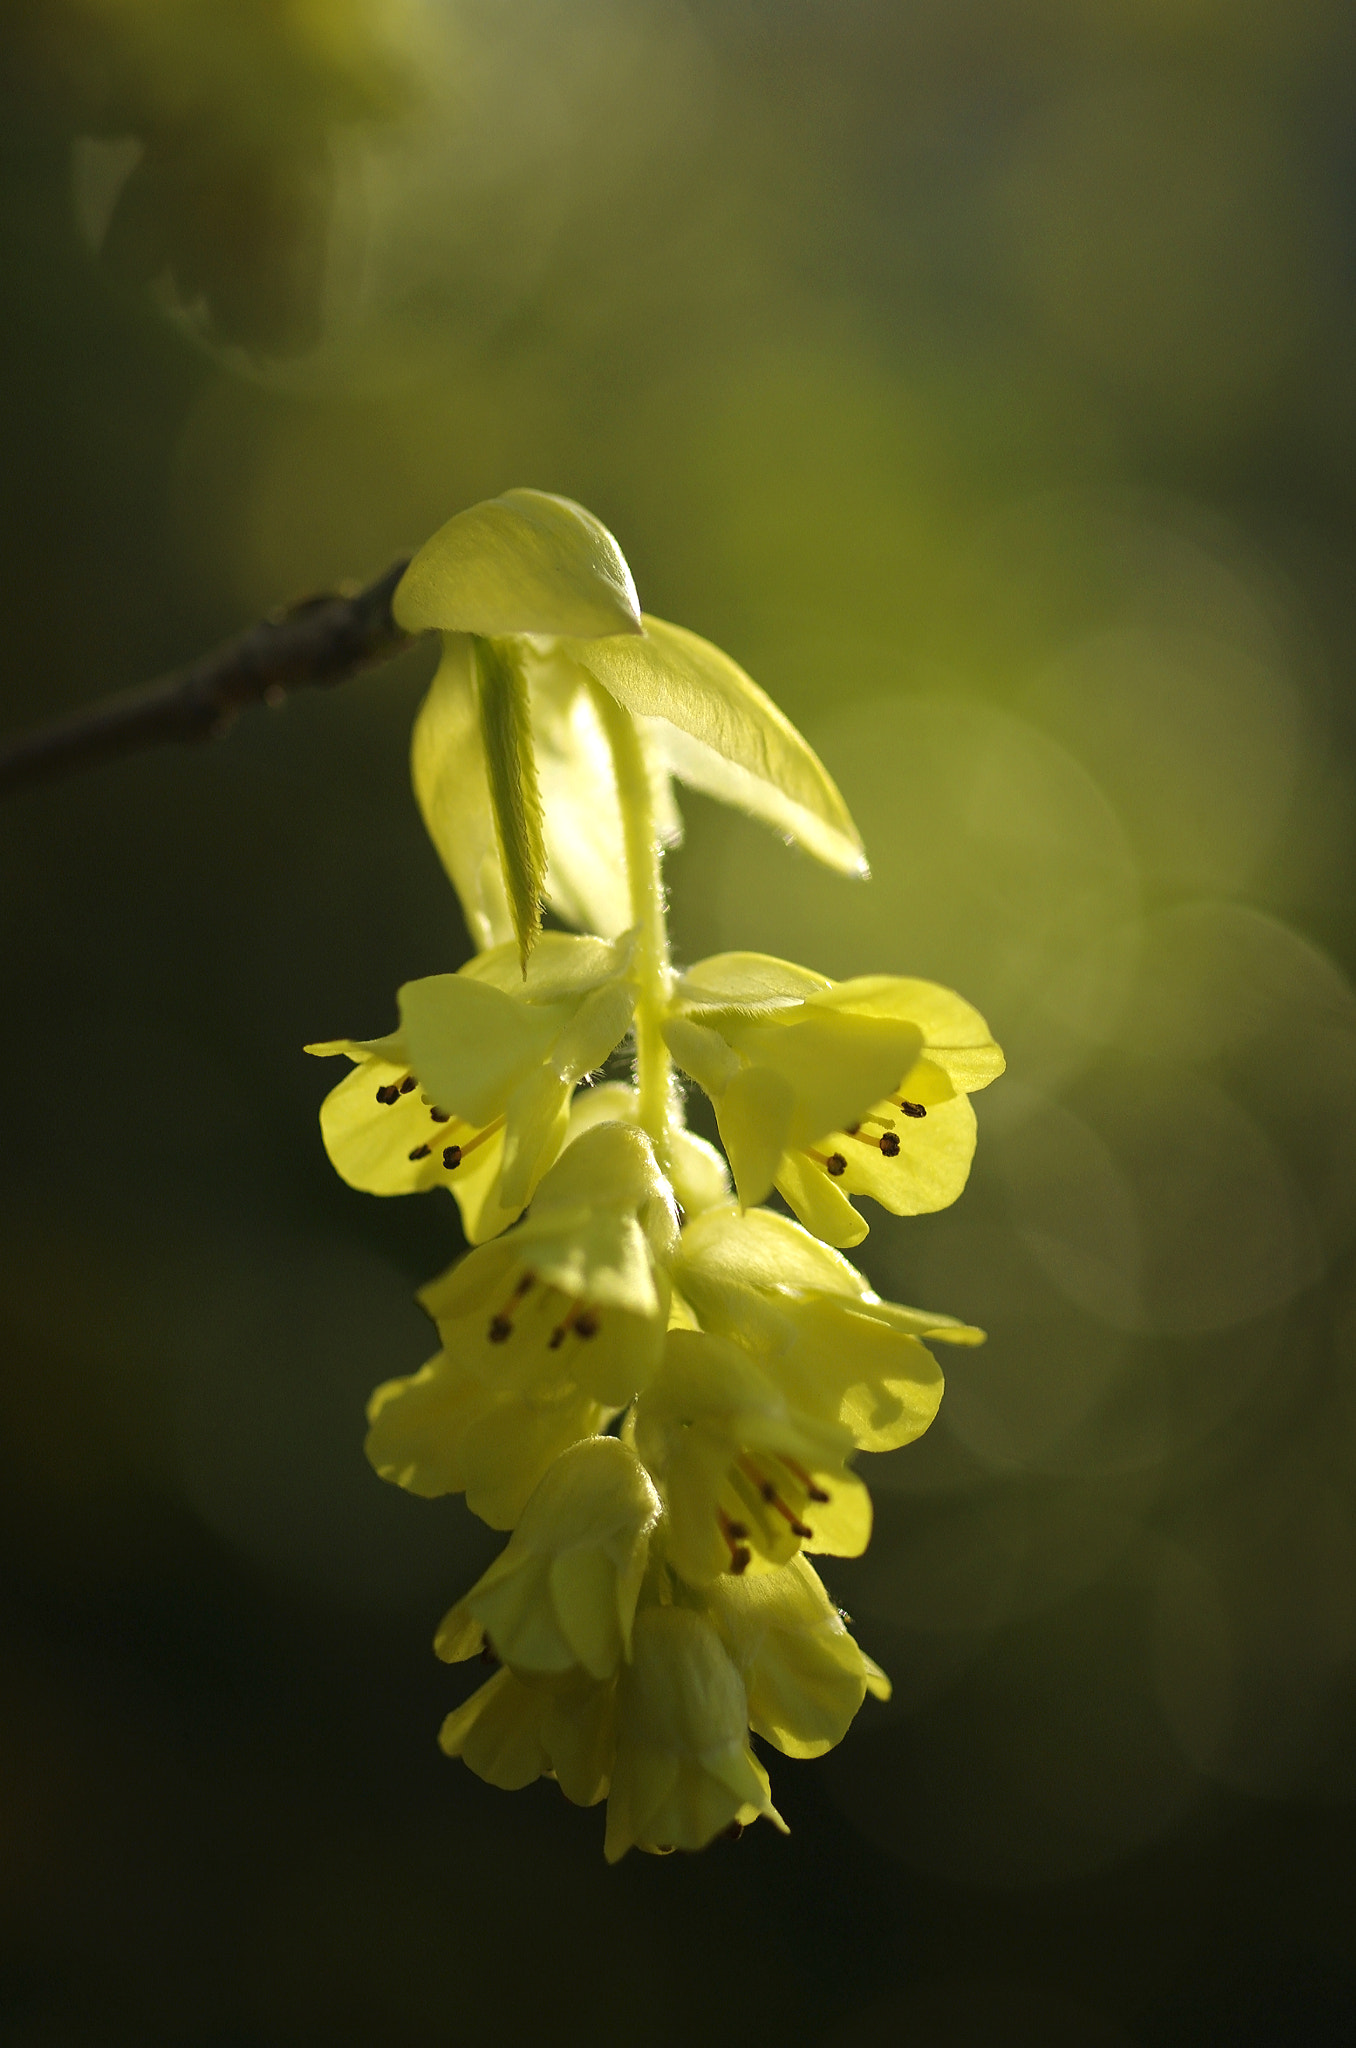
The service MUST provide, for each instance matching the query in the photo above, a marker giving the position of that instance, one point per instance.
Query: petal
(955, 1034)
(471, 1044)
(755, 1117)
(370, 1141)
(932, 1164)
(842, 1524)
(538, 1118)
(498, 1733)
(702, 1053)
(819, 1202)
(720, 733)
(451, 786)
(525, 562)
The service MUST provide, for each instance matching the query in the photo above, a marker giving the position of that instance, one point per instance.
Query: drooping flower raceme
(655, 1383)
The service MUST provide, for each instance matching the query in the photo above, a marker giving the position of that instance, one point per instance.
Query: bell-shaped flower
(683, 1771)
(546, 1332)
(746, 1478)
(511, 761)
(804, 1674)
(472, 1092)
(834, 1348)
(824, 1089)
(562, 1595)
(514, 1730)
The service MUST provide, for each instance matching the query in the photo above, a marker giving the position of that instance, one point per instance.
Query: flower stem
(645, 877)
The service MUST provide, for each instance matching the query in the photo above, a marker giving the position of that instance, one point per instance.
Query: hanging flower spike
(824, 1089)
(804, 1675)
(562, 1595)
(834, 1348)
(684, 1772)
(539, 615)
(746, 1479)
(663, 1418)
(472, 1092)
(546, 1333)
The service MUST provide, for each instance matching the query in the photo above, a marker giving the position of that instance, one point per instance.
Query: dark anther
(913, 1109)
(737, 1532)
(816, 1493)
(741, 1559)
(421, 1152)
(440, 1116)
(451, 1156)
(800, 1529)
(388, 1094)
(889, 1144)
(556, 1338)
(586, 1325)
(835, 1164)
(524, 1286)
(733, 1832)
(852, 1130)
(768, 1491)
(500, 1330)
(408, 1085)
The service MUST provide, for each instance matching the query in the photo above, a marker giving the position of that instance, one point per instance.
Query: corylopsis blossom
(656, 1384)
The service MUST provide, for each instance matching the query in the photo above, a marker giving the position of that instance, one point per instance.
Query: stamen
(799, 1472)
(454, 1154)
(390, 1093)
(909, 1108)
(408, 1084)
(440, 1116)
(500, 1330)
(586, 1325)
(736, 1538)
(421, 1151)
(889, 1144)
(832, 1162)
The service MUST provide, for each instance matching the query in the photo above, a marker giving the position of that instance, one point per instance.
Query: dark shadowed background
(980, 374)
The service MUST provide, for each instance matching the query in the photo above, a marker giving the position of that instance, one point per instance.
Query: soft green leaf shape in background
(525, 562)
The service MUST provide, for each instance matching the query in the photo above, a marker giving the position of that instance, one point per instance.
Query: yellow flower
(546, 1332)
(804, 1675)
(563, 1593)
(833, 1347)
(513, 1731)
(824, 1089)
(745, 1477)
(512, 766)
(683, 1771)
(472, 1092)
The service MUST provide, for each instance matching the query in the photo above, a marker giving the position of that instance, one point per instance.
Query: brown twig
(320, 640)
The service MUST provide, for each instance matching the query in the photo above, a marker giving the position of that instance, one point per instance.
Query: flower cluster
(656, 1383)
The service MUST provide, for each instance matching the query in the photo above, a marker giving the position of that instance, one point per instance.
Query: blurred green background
(980, 373)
